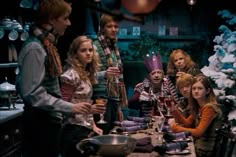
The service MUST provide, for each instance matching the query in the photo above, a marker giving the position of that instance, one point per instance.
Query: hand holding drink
(179, 72)
(99, 108)
(170, 102)
(101, 103)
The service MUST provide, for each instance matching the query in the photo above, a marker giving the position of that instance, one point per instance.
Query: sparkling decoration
(222, 65)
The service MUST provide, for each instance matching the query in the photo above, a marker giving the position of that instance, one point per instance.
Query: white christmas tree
(222, 65)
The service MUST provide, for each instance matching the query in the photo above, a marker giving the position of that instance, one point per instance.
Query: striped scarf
(107, 45)
(49, 40)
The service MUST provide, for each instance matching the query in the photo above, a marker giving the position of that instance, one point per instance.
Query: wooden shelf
(8, 65)
(166, 37)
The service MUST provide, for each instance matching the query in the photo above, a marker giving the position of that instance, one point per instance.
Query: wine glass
(162, 102)
(158, 124)
(169, 101)
(102, 102)
(87, 119)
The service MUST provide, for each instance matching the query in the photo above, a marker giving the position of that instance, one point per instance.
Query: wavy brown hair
(210, 97)
(171, 69)
(74, 62)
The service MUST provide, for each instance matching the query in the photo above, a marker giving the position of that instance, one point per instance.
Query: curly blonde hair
(74, 62)
(171, 69)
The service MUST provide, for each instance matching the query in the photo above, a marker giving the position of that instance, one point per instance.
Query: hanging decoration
(140, 6)
(191, 2)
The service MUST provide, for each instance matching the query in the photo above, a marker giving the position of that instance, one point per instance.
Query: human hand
(98, 108)
(113, 71)
(179, 73)
(171, 121)
(144, 96)
(97, 130)
(120, 115)
(82, 107)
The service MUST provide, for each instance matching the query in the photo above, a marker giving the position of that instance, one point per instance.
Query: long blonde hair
(74, 62)
(171, 69)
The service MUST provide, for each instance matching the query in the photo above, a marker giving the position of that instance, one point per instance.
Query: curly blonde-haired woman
(76, 86)
(180, 62)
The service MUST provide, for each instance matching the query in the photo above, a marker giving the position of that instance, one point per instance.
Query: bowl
(107, 145)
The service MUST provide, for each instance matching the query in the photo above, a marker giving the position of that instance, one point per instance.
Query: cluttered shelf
(159, 37)
(8, 65)
(164, 37)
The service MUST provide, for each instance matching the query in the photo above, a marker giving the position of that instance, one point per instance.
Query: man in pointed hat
(146, 93)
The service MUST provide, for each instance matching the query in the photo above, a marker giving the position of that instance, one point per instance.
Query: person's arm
(134, 101)
(67, 91)
(172, 90)
(31, 77)
(180, 119)
(207, 116)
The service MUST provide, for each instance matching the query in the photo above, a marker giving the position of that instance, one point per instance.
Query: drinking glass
(87, 119)
(158, 124)
(102, 102)
(169, 101)
(162, 102)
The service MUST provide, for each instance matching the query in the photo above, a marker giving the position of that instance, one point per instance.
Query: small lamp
(140, 6)
(191, 2)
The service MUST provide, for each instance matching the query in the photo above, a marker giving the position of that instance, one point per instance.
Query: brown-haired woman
(180, 62)
(76, 87)
(205, 116)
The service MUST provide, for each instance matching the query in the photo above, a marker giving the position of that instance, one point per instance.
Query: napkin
(161, 149)
(139, 119)
(127, 123)
(131, 128)
(175, 136)
(144, 145)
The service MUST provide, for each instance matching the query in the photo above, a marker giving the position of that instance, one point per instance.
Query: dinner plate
(183, 139)
(177, 152)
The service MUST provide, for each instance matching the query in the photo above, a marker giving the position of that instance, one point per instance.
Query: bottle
(161, 149)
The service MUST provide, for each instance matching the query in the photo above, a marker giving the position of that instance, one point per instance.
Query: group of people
(59, 104)
(59, 100)
(195, 107)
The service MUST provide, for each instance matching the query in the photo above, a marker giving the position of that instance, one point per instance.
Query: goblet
(87, 119)
(162, 102)
(158, 124)
(102, 102)
(169, 101)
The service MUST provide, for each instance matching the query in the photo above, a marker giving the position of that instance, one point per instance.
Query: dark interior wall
(203, 14)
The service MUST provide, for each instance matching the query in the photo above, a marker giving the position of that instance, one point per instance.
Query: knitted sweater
(202, 128)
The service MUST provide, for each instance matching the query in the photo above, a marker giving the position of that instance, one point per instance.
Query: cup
(86, 118)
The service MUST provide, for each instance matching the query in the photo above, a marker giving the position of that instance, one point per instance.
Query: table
(154, 142)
